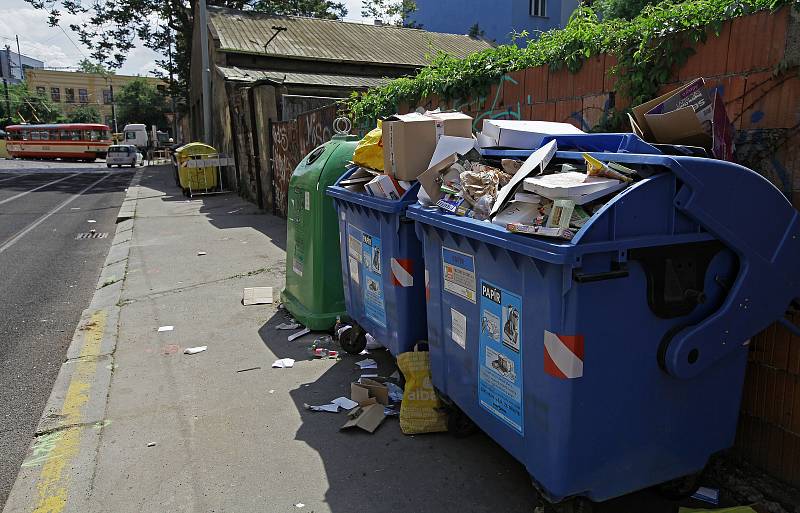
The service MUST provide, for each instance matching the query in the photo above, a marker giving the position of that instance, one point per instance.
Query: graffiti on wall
(285, 157)
(315, 127)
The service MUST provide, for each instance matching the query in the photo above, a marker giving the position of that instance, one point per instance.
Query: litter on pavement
(165, 328)
(344, 402)
(288, 326)
(248, 369)
(91, 221)
(194, 350)
(705, 494)
(283, 363)
(201, 253)
(299, 334)
(331, 408)
(257, 296)
(369, 363)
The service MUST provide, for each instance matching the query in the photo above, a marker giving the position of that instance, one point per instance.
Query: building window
(70, 94)
(83, 95)
(107, 98)
(539, 8)
(40, 90)
(55, 94)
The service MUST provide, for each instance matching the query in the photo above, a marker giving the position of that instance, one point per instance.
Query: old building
(305, 62)
(70, 89)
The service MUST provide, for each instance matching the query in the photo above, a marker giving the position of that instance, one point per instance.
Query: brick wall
(754, 65)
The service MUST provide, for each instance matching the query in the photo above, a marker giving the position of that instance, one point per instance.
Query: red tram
(76, 141)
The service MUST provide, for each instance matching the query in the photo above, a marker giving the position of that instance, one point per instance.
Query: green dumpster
(313, 293)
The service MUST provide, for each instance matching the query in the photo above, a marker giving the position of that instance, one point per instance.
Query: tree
(476, 32)
(87, 66)
(29, 107)
(140, 102)
(394, 12)
(110, 28)
(84, 114)
(625, 9)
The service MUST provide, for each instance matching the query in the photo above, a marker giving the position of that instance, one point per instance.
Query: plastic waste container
(382, 269)
(197, 178)
(313, 293)
(614, 361)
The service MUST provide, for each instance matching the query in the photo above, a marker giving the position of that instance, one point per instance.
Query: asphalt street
(47, 277)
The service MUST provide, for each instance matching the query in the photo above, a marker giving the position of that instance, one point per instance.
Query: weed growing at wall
(648, 47)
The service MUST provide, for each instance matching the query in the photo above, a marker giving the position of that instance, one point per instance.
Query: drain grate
(92, 235)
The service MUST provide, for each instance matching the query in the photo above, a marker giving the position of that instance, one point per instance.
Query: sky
(57, 49)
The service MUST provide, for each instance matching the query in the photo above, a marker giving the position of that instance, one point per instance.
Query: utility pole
(206, 72)
(8, 102)
(172, 81)
(19, 55)
(113, 110)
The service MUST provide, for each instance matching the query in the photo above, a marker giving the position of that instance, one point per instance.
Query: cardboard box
(687, 116)
(367, 418)
(409, 140)
(509, 133)
(384, 186)
(369, 392)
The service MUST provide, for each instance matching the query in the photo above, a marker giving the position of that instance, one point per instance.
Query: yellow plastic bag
(421, 410)
(369, 152)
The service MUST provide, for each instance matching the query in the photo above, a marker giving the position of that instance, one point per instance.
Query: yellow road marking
(52, 484)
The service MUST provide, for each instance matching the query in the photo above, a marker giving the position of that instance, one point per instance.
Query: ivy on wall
(648, 48)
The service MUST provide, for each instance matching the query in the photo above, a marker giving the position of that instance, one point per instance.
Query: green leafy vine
(648, 47)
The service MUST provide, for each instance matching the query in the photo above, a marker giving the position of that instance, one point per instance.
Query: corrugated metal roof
(331, 40)
(346, 81)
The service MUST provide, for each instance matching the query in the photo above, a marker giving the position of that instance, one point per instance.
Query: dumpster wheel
(353, 340)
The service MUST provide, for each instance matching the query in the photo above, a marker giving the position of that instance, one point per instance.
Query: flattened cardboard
(367, 418)
(375, 390)
(429, 180)
(257, 296)
(536, 162)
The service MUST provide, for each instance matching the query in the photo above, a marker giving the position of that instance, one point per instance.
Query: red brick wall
(754, 65)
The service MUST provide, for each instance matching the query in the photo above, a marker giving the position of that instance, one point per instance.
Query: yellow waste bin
(195, 179)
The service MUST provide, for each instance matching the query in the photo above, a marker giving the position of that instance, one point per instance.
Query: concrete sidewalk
(229, 441)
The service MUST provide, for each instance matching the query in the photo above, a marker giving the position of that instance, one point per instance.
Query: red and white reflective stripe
(427, 286)
(563, 355)
(402, 269)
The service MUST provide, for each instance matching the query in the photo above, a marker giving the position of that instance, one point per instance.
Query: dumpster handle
(618, 270)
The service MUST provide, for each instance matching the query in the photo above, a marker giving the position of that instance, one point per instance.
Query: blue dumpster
(614, 361)
(382, 266)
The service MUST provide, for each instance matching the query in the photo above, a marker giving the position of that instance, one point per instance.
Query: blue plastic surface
(615, 143)
(387, 299)
(601, 395)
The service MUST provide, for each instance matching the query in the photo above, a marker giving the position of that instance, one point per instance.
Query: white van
(135, 134)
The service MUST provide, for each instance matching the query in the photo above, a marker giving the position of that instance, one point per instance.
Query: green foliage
(140, 102)
(648, 48)
(24, 106)
(87, 66)
(310, 8)
(390, 12)
(84, 114)
(625, 9)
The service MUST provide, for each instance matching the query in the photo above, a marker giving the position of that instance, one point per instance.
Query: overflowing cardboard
(533, 164)
(574, 186)
(385, 187)
(369, 391)
(367, 418)
(521, 134)
(409, 140)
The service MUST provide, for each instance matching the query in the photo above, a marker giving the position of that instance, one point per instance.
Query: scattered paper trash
(151, 444)
(91, 221)
(75, 208)
(372, 343)
(363, 352)
(299, 505)
(249, 369)
(165, 328)
(368, 363)
(331, 408)
(395, 392)
(194, 350)
(299, 334)
(283, 363)
(367, 418)
(371, 375)
(345, 403)
(201, 253)
(272, 391)
(257, 296)
(288, 326)
(705, 494)
(395, 374)
(368, 392)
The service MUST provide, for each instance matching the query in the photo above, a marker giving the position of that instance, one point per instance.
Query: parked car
(124, 155)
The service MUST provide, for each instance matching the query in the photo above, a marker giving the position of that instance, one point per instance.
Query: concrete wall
(753, 63)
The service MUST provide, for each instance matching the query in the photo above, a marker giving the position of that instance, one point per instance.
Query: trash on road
(369, 363)
(299, 505)
(283, 363)
(368, 391)
(91, 221)
(194, 350)
(421, 410)
(299, 334)
(331, 408)
(345, 403)
(367, 418)
(705, 494)
(201, 253)
(165, 328)
(151, 444)
(257, 296)
(249, 369)
(288, 326)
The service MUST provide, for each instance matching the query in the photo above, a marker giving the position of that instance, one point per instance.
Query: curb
(57, 473)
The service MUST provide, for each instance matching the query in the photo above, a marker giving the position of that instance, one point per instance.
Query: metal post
(172, 82)
(113, 110)
(206, 73)
(8, 102)
(19, 55)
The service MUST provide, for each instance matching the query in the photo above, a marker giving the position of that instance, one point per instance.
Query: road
(47, 277)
